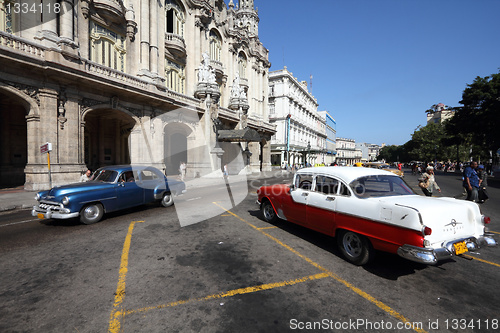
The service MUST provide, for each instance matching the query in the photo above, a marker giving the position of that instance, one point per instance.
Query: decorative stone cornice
(31, 91)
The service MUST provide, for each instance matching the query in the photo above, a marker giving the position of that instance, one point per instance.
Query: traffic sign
(46, 148)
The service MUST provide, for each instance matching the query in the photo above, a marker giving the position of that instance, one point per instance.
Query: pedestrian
(182, 170)
(428, 182)
(483, 177)
(86, 176)
(471, 182)
(226, 173)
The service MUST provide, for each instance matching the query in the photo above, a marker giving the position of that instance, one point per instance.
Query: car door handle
(330, 198)
(305, 194)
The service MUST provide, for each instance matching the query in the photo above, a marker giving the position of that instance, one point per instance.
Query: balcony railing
(22, 45)
(175, 44)
(109, 72)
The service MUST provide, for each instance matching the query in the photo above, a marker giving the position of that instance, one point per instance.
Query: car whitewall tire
(167, 200)
(91, 213)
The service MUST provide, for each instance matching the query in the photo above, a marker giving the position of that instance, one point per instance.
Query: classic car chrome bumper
(54, 212)
(432, 256)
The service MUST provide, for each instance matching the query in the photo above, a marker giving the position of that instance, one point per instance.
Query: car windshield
(108, 176)
(380, 186)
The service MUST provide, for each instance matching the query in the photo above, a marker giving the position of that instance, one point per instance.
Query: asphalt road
(140, 271)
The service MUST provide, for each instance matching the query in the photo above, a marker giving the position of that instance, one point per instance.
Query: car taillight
(426, 231)
(486, 220)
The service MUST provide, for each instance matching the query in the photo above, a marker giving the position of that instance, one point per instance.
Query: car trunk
(449, 219)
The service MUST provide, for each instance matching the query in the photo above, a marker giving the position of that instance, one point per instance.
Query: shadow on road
(385, 265)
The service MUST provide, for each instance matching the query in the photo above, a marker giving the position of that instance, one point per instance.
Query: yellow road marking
(116, 314)
(358, 291)
(266, 228)
(231, 293)
(495, 232)
(481, 260)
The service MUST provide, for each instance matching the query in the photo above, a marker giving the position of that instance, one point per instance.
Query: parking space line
(116, 314)
(358, 291)
(230, 293)
(265, 228)
(481, 260)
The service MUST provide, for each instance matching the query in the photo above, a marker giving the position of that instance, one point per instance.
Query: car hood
(63, 190)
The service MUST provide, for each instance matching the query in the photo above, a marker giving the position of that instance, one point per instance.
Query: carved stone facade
(130, 81)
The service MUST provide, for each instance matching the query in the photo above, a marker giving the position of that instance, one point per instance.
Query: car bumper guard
(50, 214)
(432, 256)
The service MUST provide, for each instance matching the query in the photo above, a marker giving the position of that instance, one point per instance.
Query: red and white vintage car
(369, 209)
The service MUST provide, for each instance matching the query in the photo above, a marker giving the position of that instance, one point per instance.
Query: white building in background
(347, 153)
(331, 137)
(103, 81)
(369, 151)
(439, 113)
(300, 130)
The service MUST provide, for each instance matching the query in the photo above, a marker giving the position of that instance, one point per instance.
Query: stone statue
(235, 88)
(206, 74)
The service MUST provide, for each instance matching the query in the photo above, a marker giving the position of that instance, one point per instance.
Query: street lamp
(308, 152)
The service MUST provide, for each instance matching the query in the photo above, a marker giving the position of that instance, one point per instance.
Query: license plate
(40, 216)
(460, 247)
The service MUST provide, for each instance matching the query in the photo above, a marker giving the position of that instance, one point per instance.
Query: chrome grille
(52, 206)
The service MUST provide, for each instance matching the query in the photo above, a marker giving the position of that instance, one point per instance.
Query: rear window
(380, 186)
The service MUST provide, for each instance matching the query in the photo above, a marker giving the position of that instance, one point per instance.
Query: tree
(393, 153)
(478, 120)
(429, 143)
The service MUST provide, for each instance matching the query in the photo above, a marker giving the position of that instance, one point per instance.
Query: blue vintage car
(112, 188)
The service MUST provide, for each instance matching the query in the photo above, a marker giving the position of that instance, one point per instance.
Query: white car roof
(347, 174)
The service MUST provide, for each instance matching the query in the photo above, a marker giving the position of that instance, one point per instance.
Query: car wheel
(268, 212)
(355, 248)
(92, 213)
(167, 200)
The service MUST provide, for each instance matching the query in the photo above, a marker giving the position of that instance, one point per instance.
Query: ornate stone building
(131, 81)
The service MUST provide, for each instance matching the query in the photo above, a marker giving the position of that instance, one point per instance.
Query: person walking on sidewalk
(483, 177)
(428, 182)
(471, 182)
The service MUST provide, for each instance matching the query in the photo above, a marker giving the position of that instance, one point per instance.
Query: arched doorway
(13, 142)
(175, 147)
(106, 137)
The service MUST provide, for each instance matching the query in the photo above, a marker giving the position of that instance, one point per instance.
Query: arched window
(175, 76)
(6, 16)
(215, 46)
(107, 47)
(242, 65)
(174, 18)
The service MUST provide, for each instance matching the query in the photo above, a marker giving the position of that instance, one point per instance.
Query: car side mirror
(291, 188)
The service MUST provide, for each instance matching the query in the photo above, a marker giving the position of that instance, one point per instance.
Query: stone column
(153, 29)
(145, 37)
(48, 35)
(66, 20)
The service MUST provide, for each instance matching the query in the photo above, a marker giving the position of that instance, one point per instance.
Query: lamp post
(308, 152)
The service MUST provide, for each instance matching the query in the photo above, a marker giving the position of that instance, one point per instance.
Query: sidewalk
(18, 198)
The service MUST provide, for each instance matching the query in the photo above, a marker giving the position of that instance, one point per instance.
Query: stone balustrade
(21, 45)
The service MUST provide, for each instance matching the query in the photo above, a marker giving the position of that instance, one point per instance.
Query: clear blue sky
(377, 65)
